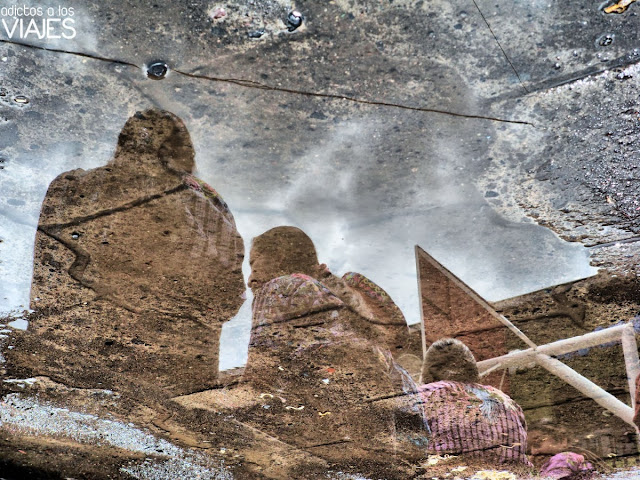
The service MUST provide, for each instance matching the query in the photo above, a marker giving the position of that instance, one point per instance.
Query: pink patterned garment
(357, 280)
(472, 419)
(203, 188)
(291, 296)
(567, 465)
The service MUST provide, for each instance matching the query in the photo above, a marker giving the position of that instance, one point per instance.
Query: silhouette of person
(317, 363)
(463, 416)
(137, 264)
(287, 250)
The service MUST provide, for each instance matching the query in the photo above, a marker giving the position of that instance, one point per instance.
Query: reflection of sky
(447, 216)
(353, 228)
(437, 207)
(497, 258)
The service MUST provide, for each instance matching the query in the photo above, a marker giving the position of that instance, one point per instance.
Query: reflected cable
(261, 86)
(500, 46)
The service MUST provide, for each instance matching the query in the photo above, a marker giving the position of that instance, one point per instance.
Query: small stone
(256, 33)
(316, 115)
(606, 40)
(294, 20)
(157, 70)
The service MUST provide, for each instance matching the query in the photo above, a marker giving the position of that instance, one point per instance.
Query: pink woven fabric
(291, 296)
(566, 464)
(475, 420)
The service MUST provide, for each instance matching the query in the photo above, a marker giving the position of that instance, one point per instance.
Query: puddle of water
(363, 214)
(234, 338)
(497, 258)
(19, 324)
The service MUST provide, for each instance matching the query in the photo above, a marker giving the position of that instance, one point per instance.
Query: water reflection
(366, 186)
(234, 337)
(138, 265)
(142, 257)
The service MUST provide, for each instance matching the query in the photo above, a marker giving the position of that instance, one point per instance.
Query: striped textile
(567, 465)
(291, 296)
(472, 419)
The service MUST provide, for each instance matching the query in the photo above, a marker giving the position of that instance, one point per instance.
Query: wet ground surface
(501, 140)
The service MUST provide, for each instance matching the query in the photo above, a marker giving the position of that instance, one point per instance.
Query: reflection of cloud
(342, 196)
(326, 183)
(497, 259)
(340, 199)
(323, 198)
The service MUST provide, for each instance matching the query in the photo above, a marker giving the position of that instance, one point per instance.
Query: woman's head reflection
(282, 251)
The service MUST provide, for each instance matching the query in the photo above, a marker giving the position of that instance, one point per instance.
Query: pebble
(294, 20)
(256, 33)
(157, 70)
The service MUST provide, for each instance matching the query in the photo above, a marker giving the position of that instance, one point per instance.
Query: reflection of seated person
(463, 416)
(283, 251)
(315, 361)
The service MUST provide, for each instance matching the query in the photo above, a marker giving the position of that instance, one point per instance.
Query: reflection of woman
(465, 417)
(283, 251)
(316, 361)
(151, 251)
(289, 284)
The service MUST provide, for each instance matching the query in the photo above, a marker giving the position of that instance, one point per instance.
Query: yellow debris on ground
(435, 459)
(619, 7)
(493, 475)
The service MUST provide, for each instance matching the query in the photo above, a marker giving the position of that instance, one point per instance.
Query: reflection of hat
(449, 359)
(155, 139)
(291, 296)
